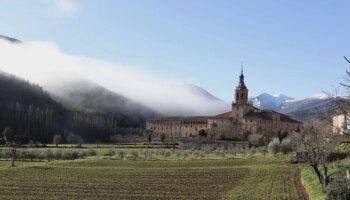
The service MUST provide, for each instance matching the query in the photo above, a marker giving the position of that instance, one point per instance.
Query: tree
(57, 139)
(8, 136)
(149, 138)
(315, 142)
(202, 133)
(343, 107)
(10, 142)
(162, 138)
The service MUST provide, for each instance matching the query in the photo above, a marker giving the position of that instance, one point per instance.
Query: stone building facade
(243, 117)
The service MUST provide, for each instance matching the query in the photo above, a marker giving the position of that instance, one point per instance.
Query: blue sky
(290, 47)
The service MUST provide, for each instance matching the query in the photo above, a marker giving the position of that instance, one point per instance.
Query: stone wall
(214, 145)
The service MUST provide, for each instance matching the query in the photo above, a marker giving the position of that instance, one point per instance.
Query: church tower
(241, 94)
(240, 105)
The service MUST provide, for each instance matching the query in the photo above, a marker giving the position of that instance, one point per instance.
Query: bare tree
(315, 143)
(10, 142)
(57, 139)
(341, 122)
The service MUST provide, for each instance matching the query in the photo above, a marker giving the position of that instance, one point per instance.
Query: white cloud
(45, 64)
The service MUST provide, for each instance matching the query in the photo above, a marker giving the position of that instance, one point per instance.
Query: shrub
(144, 154)
(185, 155)
(274, 146)
(233, 152)
(286, 146)
(91, 152)
(222, 154)
(33, 155)
(243, 152)
(110, 153)
(338, 189)
(133, 155)
(58, 154)
(262, 150)
(252, 151)
(71, 155)
(178, 154)
(121, 154)
(167, 154)
(22, 154)
(48, 155)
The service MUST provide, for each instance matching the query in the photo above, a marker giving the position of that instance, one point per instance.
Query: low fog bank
(43, 63)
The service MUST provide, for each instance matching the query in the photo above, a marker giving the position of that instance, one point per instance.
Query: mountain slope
(272, 102)
(196, 90)
(29, 110)
(323, 112)
(92, 96)
(306, 103)
(285, 104)
(9, 39)
(33, 114)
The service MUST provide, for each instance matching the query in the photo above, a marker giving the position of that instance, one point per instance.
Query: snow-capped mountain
(306, 103)
(286, 104)
(267, 101)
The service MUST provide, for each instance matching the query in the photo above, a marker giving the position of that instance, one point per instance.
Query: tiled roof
(261, 114)
(182, 118)
(224, 115)
(286, 118)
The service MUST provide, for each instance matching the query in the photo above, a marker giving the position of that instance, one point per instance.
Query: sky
(290, 47)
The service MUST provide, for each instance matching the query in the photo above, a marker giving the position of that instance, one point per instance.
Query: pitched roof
(260, 114)
(224, 115)
(181, 118)
(286, 118)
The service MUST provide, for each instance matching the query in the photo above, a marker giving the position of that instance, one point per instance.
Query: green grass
(211, 177)
(311, 184)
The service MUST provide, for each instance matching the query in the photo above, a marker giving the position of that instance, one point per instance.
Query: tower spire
(241, 94)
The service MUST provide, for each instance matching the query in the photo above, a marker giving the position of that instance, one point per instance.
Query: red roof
(224, 115)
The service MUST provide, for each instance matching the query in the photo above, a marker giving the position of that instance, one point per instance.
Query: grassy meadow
(141, 173)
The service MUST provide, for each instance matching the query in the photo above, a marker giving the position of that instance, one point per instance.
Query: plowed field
(242, 178)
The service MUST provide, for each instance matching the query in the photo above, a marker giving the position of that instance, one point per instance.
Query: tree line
(33, 115)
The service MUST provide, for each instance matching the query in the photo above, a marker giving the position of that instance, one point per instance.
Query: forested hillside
(34, 115)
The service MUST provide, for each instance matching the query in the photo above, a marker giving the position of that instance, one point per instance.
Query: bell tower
(240, 105)
(241, 92)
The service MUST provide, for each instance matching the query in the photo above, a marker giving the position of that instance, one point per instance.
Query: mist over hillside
(52, 68)
(93, 96)
(34, 115)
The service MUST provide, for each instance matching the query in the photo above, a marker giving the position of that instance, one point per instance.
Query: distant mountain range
(272, 102)
(286, 104)
(316, 106)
